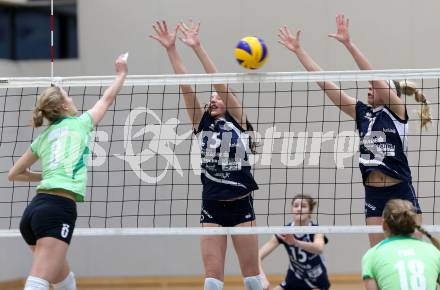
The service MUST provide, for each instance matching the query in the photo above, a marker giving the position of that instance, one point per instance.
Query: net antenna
(52, 50)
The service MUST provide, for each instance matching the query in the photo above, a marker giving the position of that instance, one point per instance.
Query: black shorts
(292, 282)
(48, 215)
(228, 213)
(377, 197)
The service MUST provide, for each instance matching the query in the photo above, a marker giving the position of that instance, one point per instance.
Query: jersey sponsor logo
(315, 272)
(371, 142)
(410, 252)
(222, 175)
(207, 213)
(389, 130)
(370, 206)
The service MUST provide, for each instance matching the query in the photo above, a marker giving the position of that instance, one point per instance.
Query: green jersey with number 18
(402, 263)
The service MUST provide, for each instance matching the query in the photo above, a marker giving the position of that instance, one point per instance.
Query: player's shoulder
(427, 246)
(371, 253)
(382, 246)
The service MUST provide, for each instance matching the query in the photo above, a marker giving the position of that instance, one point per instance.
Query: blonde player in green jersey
(402, 262)
(62, 148)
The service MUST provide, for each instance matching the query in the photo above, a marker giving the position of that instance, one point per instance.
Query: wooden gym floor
(339, 282)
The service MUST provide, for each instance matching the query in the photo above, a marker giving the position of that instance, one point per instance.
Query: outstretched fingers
(156, 28)
(165, 26)
(298, 34)
(284, 31)
(191, 26)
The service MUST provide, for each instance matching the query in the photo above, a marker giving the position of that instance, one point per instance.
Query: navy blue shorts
(377, 197)
(293, 282)
(227, 213)
(48, 215)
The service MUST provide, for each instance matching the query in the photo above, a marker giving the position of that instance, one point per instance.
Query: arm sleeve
(279, 240)
(438, 266)
(203, 121)
(361, 110)
(35, 146)
(367, 266)
(86, 121)
(325, 238)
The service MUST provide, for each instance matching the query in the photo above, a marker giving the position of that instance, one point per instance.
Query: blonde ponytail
(37, 117)
(401, 218)
(410, 89)
(433, 240)
(49, 105)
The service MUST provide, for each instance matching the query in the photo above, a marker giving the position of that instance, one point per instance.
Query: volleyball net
(144, 169)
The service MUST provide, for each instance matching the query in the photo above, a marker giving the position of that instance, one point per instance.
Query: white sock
(213, 284)
(67, 284)
(35, 283)
(253, 283)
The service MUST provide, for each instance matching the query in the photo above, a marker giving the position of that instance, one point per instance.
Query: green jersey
(402, 263)
(63, 151)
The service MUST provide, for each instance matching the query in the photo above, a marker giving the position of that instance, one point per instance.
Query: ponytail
(433, 240)
(410, 89)
(49, 106)
(37, 117)
(400, 216)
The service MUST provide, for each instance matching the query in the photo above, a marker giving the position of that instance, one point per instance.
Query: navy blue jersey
(303, 264)
(226, 171)
(383, 142)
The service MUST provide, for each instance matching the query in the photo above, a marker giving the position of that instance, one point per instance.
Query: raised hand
(165, 37)
(286, 38)
(341, 34)
(190, 33)
(121, 66)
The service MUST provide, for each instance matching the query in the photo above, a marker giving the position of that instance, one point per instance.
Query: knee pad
(213, 284)
(35, 283)
(253, 283)
(68, 283)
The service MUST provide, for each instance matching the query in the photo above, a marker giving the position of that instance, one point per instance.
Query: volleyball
(251, 52)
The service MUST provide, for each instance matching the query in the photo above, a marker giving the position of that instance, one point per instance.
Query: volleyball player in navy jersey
(382, 126)
(226, 173)
(306, 269)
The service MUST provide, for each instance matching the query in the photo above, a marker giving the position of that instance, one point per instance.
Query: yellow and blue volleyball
(251, 52)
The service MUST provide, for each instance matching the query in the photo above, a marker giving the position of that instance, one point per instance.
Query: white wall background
(392, 33)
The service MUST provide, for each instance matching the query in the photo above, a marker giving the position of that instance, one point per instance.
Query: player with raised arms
(49, 220)
(226, 173)
(382, 126)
